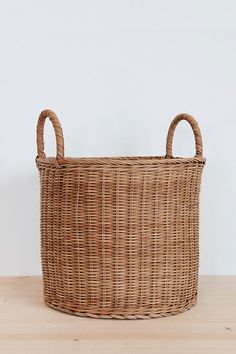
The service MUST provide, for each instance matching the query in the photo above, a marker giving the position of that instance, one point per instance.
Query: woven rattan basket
(119, 236)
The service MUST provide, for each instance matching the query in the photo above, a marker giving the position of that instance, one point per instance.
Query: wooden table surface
(28, 326)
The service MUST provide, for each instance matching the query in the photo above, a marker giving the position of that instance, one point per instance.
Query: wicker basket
(120, 236)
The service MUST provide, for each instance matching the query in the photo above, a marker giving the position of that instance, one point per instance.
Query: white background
(116, 73)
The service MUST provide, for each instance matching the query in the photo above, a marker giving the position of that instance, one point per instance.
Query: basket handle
(196, 132)
(58, 133)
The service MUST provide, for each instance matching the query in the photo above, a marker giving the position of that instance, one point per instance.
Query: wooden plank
(28, 326)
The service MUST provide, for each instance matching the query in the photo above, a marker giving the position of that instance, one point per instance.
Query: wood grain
(28, 326)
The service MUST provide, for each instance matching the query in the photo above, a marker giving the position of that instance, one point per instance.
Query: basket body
(119, 237)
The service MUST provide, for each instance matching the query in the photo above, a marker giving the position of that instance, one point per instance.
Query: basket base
(130, 316)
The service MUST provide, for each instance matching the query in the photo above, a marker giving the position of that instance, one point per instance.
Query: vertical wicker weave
(119, 236)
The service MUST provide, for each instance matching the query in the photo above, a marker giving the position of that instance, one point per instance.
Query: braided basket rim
(131, 161)
(129, 316)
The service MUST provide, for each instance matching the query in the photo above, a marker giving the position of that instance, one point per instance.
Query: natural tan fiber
(119, 236)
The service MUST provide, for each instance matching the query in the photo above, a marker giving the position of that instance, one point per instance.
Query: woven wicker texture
(120, 236)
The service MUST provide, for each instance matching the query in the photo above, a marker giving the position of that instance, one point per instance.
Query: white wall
(116, 73)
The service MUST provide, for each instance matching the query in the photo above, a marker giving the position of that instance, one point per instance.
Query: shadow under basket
(120, 236)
